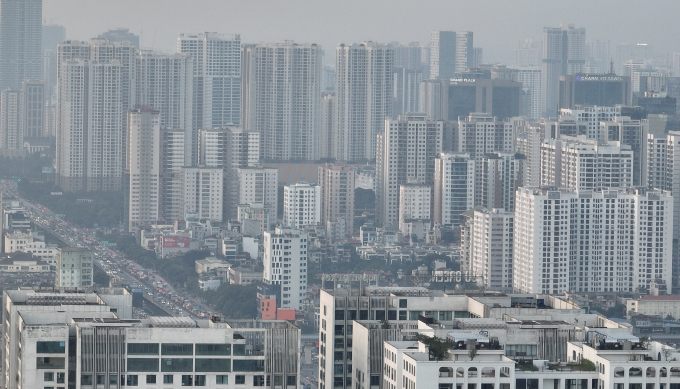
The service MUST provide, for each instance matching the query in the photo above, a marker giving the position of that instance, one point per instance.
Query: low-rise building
(244, 276)
(210, 264)
(655, 305)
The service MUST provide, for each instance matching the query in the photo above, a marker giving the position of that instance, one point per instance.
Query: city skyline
(303, 21)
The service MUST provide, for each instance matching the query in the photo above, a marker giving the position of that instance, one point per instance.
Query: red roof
(667, 297)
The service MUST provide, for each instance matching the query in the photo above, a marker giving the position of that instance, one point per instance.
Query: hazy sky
(497, 24)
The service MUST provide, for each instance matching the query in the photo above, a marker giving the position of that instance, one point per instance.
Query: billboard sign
(176, 241)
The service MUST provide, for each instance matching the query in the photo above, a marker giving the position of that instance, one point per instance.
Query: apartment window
(187, 380)
(239, 349)
(132, 380)
(199, 380)
(258, 380)
(48, 376)
(240, 379)
(177, 364)
(151, 379)
(142, 364)
(248, 365)
(213, 365)
(167, 379)
(50, 347)
(61, 378)
(222, 379)
(113, 379)
(213, 349)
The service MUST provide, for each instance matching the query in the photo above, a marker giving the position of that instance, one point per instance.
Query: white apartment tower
(530, 77)
(11, 133)
(89, 125)
(480, 134)
(337, 194)
(74, 268)
(490, 246)
(327, 128)
(143, 166)
(450, 52)
(579, 164)
(282, 98)
(502, 174)
(363, 98)
(415, 205)
(217, 78)
(406, 150)
(632, 133)
(20, 42)
(591, 241)
(172, 144)
(285, 265)
(563, 54)
(591, 115)
(301, 205)
(454, 187)
(202, 192)
(165, 83)
(528, 143)
(259, 185)
(229, 148)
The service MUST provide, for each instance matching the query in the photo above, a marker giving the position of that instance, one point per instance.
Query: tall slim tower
(143, 164)
(282, 98)
(165, 82)
(563, 53)
(450, 52)
(364, 92)
(89, 126)
(217, 80)
(20, 42)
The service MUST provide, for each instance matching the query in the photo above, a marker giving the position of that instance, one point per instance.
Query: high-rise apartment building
(528, 53)
(301, 205)
(52, 36)
(434, 99)
(143, 167)
(502, 174)
(337, 194)
(259, 185)
(632, 133)
(450, 52)
(563, 54)
(490, 246)
(454, 187)
(528, 144)
(165, 83)
(229, 148)
(580, 164)
(363, 98)
(202, 192)
(591, 241)
(415, 209)
(74, 268)
(406, 91)
(591, 115)
(327, 128)
(406, 149)
(481, 134)
(20, 42)
(89, 126)
(285, 266)
(33, 108)
(282, 98)
(172, 144)
(530, 77)
(11, 132)
(216, 80)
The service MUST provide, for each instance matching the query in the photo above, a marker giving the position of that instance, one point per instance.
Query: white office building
(143, 166)
(579, 164)
(363, 98)
(301, 205)
(285, 265)
(591, 241)
(282, 98)
(202, 192)
(406, 150)
(259, 185)
(74, 268)
(44, 327)
(454, 187)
